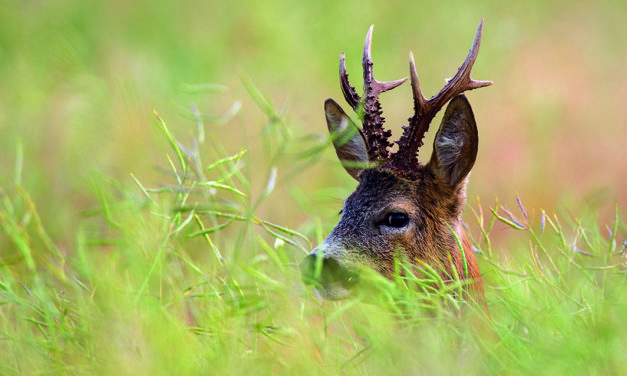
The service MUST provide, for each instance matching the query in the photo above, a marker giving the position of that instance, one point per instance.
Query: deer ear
(348, 141)
(455, 145)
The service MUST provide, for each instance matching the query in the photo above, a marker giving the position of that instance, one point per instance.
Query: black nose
(323, 270)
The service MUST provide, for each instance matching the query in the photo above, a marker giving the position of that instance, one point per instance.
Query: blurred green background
(100, 277)
(80, 80)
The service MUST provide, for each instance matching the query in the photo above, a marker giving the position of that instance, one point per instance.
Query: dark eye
(396, 220)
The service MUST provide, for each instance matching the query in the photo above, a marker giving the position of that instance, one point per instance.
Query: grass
(186, 278)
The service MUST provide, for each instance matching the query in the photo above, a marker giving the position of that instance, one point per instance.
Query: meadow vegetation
(155, 200)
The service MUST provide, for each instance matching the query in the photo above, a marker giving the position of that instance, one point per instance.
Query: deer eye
(396, 220)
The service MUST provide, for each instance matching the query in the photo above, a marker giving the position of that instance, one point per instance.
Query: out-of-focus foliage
(80, 80)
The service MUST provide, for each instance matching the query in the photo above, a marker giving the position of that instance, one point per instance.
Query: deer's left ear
(455, 145)
(349, 143)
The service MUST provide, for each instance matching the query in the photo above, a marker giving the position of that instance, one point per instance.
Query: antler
(376, 136)
(406, 158)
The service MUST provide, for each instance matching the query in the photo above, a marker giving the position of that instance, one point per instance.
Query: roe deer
(400, 207)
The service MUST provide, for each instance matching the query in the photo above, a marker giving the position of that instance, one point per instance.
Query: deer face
(400, 207)
(390, 216)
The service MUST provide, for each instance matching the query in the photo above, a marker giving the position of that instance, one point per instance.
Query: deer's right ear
(348, 140)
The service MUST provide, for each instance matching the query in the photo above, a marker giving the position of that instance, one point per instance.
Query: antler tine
(376, 136)
(464, 71)
(426, 109)
(419, 99)
(349, 92)
(461, 81)
(371, 85)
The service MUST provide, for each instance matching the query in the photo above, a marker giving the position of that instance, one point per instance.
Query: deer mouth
(331, 280)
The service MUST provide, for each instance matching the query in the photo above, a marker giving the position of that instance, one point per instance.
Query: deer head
(400, 205)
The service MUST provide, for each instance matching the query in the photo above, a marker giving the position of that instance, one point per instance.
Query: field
(165, 167)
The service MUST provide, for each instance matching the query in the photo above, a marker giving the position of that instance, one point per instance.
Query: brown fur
(431, 204)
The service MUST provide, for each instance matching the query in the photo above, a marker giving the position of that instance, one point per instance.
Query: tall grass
(186, 278)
